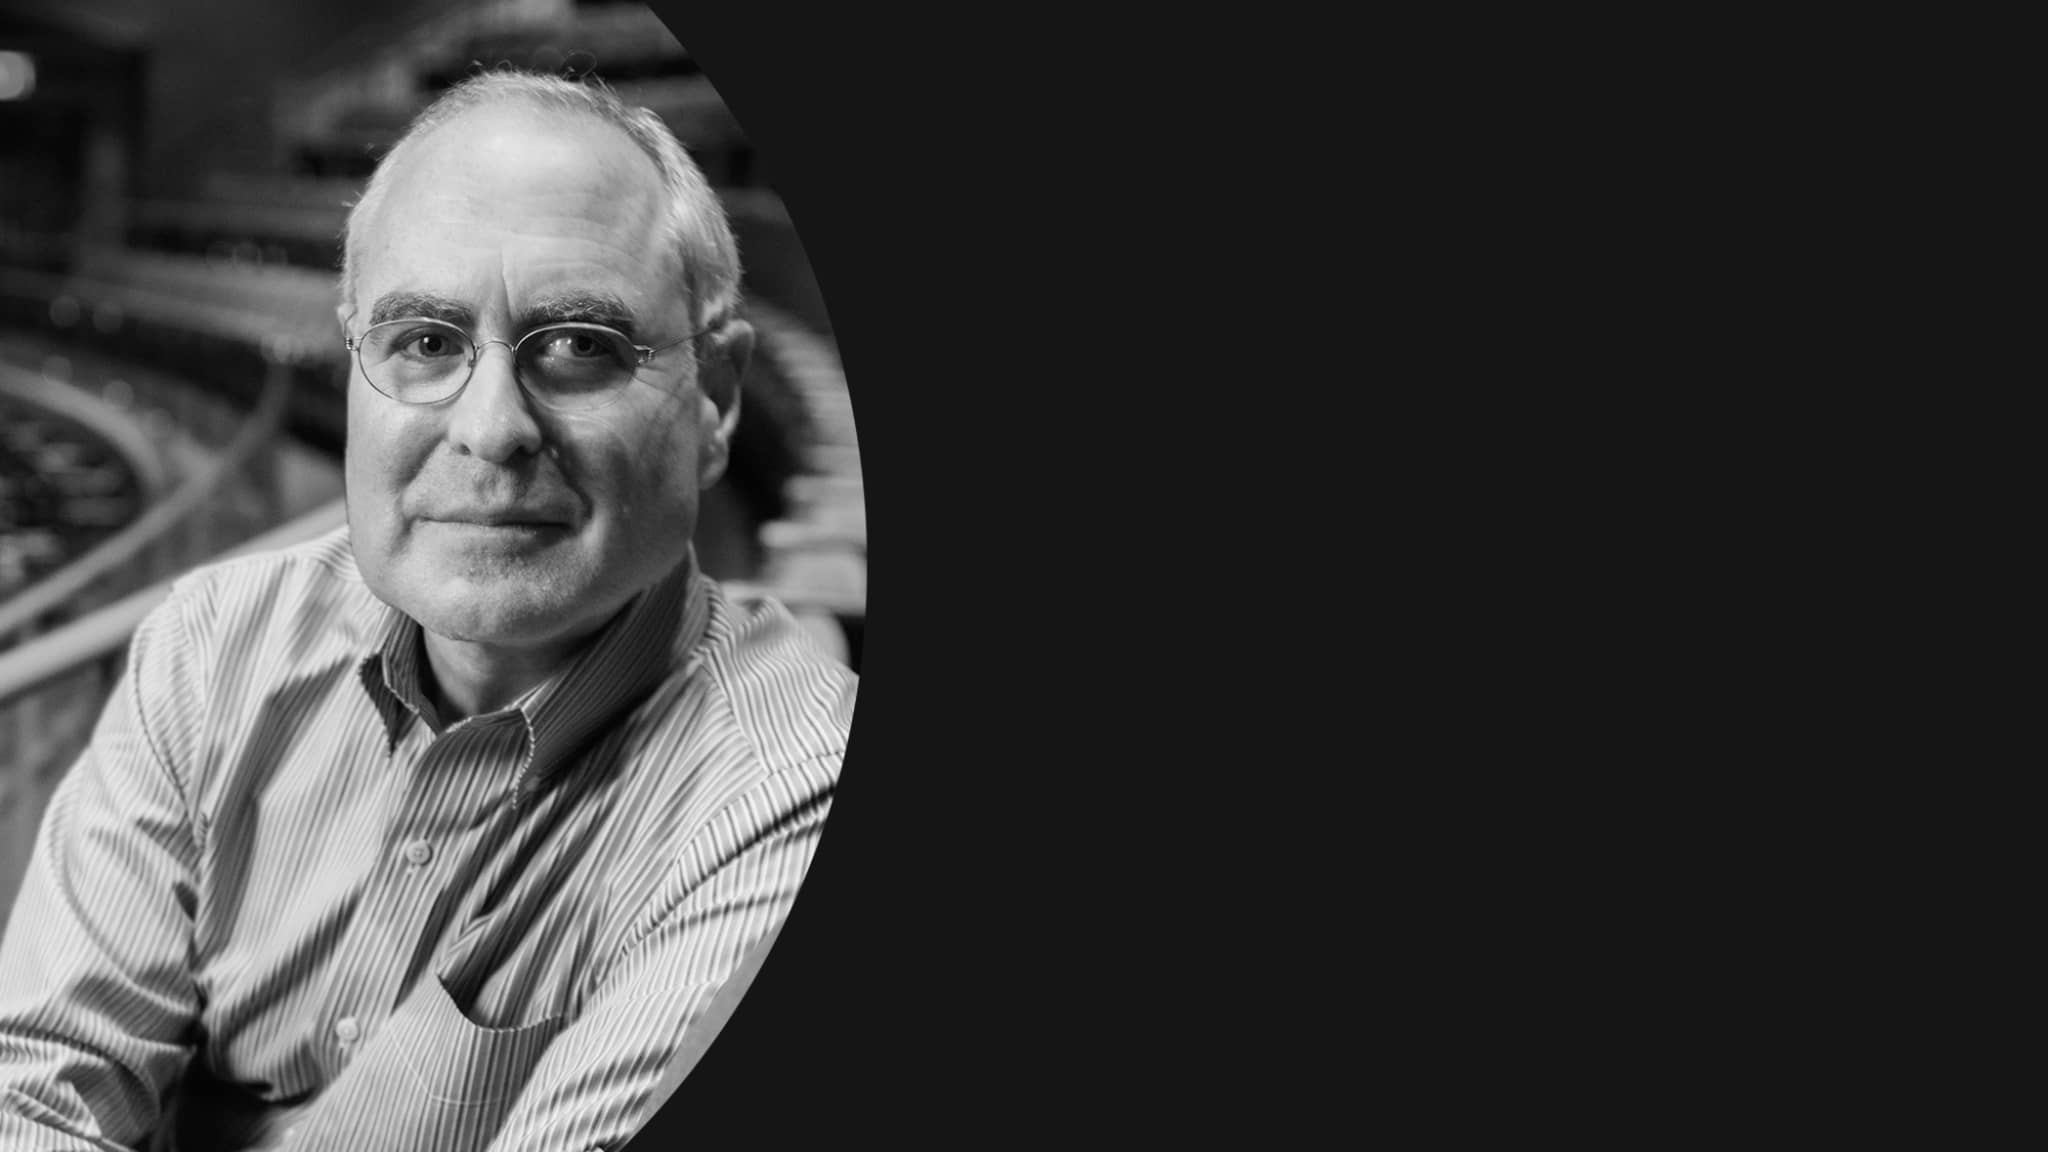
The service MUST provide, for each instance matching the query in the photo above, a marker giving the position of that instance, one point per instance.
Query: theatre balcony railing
(195, 521)
(53, 687)
(63, 638)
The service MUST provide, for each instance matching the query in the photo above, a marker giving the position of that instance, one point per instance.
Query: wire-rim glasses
(571, 366)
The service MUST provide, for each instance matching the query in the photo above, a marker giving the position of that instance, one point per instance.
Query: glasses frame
(355, 344)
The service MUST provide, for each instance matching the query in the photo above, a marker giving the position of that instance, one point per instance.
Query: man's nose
(492, 418)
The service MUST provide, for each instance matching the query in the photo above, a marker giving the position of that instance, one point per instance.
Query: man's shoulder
(790, 697)
(314, 579)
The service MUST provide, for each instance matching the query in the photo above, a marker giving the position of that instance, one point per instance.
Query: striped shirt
(274, 904)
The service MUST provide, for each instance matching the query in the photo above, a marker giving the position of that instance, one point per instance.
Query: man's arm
(607, 1073)
(97, 996)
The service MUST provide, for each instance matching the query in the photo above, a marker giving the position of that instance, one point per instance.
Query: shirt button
(419, 852)
(346, 1029)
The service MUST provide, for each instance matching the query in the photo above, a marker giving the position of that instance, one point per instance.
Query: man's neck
(462, 678)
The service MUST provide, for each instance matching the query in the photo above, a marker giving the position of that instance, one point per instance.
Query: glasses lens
(416, 361)
(576, 365)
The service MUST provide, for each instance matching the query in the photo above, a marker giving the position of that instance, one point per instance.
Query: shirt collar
(654, 632)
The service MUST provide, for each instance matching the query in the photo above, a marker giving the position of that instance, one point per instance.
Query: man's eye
(431, 345)
(575, 346)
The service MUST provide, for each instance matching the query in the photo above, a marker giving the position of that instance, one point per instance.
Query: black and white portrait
(432, 572)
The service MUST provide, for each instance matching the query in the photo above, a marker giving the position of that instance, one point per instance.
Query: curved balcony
(73, 470)
(69, 629)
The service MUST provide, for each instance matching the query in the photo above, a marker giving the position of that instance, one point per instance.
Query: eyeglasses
(570, 367)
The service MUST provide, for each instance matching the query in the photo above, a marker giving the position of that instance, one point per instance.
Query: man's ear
(722, 367)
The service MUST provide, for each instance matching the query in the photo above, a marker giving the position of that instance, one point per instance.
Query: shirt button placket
(346, 1032)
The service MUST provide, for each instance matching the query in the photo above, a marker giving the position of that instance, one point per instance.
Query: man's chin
(459, 539)
(516, 607)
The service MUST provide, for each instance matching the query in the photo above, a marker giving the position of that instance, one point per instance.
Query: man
(441, 832)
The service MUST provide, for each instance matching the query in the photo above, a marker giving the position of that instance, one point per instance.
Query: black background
(991, 944)
(894, 1005)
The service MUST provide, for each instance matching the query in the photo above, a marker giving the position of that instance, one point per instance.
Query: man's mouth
(501, 518)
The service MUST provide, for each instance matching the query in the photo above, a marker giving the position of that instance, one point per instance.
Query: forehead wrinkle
(484, 222)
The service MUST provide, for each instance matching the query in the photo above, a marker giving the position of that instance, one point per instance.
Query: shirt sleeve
(97, 997)
(604, 1076)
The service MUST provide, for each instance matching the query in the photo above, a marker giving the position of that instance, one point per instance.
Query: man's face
(491, 517)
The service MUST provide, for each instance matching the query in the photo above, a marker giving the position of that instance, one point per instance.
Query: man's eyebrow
(581, 307)
(394, 305)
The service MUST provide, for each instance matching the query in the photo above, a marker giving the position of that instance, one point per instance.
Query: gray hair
(696, 223)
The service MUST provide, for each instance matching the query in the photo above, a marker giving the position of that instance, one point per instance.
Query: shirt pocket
(431, 1079)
